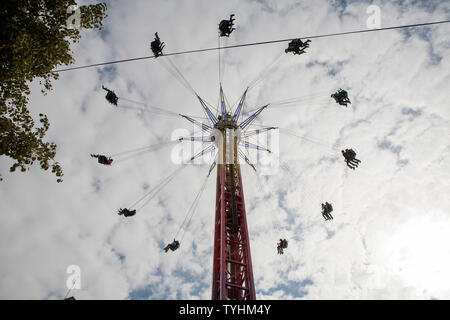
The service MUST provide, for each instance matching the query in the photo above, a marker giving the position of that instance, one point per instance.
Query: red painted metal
(232, 277)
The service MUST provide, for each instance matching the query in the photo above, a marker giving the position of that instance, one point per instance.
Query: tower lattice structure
(232, 276)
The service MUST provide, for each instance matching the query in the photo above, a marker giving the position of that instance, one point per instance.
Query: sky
(391, 228)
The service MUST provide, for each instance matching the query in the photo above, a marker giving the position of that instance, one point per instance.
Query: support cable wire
(168, 64)
(246, 159)
(247, 144)
(147, 107)
(197, 117)
(261, 188)
(217, 107)
(315, 94)
(294, 103)
(153, 192)
(252, 84)
(156, 192)
(155, 112)
(289, 102)
(220, 61)
(201, 125)
(228, 103)
(223, 59)
(306, 138)
(309, 194)
(181, 75)
(300, 105)
(192, 209)
(265, 71)
(253, 133)
(157, 188)
(258, 43)
(303, 104)
(73, 286)
(142, 148)
(175, 71)
(139, 151)
(257, 125)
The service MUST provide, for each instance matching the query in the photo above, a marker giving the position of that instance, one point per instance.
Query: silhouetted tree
(35, 38)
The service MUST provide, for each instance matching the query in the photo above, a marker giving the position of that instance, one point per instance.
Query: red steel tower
(232, 276)
(232, 267)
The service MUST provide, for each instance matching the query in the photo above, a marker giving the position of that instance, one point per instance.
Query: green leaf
(34, 40)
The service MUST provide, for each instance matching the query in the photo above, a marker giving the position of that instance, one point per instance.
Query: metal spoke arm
(203, 126)
(253, 146)
(213, 165)
(238, 111)
(243, 156)
(244, 124)
(257, 132)
(208, 149)
(199, 139)
(207, 111)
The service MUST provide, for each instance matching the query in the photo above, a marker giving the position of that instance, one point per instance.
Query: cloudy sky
(391, 228)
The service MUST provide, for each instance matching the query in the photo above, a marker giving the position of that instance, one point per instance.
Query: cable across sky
(255, 44)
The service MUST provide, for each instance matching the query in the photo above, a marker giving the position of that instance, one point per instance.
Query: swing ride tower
(232, 277)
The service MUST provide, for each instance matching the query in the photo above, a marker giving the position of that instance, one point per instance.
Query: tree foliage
(35, 38)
